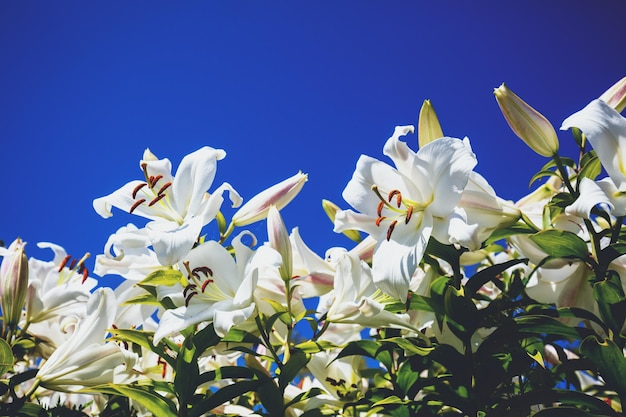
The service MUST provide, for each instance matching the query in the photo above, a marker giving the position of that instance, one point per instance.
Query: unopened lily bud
(331, 210)
(279, 240)
(616, 95)
(428, 127)
(13, 282)
(278, 195)
(527, 123)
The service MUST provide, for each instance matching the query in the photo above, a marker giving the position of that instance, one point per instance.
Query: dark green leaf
(561, 244)
(297, 360)
(6, 357)
(609, 359)
(223, 395)
(489, 274)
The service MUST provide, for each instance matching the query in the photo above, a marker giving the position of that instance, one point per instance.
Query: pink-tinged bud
(278, 195)
(616, 95)
(527, 123)
(279, 240)
(13, 283)
(428, 127)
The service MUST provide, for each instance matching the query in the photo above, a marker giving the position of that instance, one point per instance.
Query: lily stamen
(64, 262)
(398, 195)
(379, 210)
(164, 187)
(156, 200)
(409, 213)
(137, 188)
(380, 219)
(205, 283)
(154, 180)
(390, 230)
(137, 204)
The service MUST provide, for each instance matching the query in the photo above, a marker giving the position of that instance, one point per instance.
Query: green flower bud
(527, 123)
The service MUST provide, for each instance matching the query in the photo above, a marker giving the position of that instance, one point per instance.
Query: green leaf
(541, 174)
(6, 357)
(515, 229)
(609, 359)
(187, 372)
(461, 312)
(143, 339)
(415, 302)
(591, 166)
(611, 301)
(227, 372)
(281, 310)
(564, 412)
(409, 345)
(223, 395)
(489, 274)
(241, 336)
(315, 346)
(561, 244)
(146, 298)
(313, 392)
(156, 404)
(297, 360)
(205, 339)
(167, 277)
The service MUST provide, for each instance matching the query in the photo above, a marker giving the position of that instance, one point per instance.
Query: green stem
(564, 175)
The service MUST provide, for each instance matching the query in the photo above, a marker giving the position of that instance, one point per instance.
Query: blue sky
(282, 86)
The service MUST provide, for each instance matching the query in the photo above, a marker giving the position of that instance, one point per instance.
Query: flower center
(75, 266)
(200, 282)
(402, 209)
(154, 193)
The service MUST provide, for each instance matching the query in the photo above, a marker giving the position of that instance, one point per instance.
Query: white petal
(172, 242)
(225, 319)
(590, 196)
(605, 129)
(394, 262)
(448, 162)
(193, 178)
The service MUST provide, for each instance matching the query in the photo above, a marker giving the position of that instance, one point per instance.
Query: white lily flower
(86, 359)
(179, 206)
(219, 290)
(356, 300)
(58, 291)
(402, 207)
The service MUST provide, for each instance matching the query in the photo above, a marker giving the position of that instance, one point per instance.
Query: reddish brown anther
(397, 194)
(379, 210)
(205, 283)
(154, 180)
(73, 263)
(137, 188)
(64, 262)
(164, 187)
(156, 200)
(391, 227)
(137, 204)
(204, 269)
(189, 297)
(380, 219)
(409, 213)
(189, 287)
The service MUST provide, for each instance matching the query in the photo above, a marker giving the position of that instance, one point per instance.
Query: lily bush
(451, 301)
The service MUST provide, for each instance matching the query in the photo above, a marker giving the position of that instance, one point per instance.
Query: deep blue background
(282, 86)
